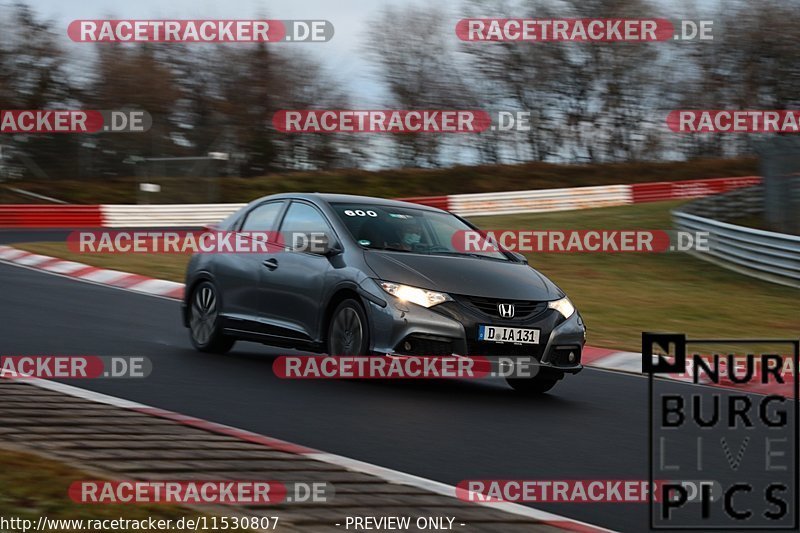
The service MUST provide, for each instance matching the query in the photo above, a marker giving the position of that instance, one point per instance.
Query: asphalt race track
(593, 425)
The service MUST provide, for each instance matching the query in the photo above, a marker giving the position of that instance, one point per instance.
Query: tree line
(588, 102)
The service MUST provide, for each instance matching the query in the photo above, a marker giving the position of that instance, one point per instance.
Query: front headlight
(563, 306)
(415, 295)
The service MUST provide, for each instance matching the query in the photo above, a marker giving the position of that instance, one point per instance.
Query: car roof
(347, 198)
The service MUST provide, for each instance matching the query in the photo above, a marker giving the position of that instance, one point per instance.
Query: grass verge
(34, 486)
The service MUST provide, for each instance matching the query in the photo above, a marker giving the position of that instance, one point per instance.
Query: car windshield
(405, 229)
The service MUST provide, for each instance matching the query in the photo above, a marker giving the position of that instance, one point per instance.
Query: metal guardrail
(685, 189)
(766, 255)
(30, 194)
(729, 206)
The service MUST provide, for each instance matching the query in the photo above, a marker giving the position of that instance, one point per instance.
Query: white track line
(386, 474)
(83, 279)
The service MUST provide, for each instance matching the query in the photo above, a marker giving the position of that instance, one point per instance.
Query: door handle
(271, 264)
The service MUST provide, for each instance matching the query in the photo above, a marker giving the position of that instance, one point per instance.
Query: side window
(262, 218)
(303, 217)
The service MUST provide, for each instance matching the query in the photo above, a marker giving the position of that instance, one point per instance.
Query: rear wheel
(204, 320)
(538, 384)
(347, 330)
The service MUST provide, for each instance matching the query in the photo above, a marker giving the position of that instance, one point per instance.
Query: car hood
(463, 275)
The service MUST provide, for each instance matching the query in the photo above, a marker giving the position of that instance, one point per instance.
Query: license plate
(504, 334)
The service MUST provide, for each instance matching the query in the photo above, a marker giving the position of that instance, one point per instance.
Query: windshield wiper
(389, 249)
(470, 254)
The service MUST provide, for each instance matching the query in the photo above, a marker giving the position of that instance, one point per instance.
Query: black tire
(204, 324)
(348, 330)
(538, 384)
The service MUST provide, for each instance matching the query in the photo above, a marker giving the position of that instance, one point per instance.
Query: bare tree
(415, 53)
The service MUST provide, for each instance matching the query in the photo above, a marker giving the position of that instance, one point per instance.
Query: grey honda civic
(383, 278)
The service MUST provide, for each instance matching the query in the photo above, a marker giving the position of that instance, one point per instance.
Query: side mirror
(520, 257)
(315, 242)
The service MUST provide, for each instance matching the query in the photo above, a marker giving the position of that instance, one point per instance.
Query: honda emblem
(505, 310)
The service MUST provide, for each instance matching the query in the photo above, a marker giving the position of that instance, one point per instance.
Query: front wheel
(538, 384)
(347, 330)
(204, 320)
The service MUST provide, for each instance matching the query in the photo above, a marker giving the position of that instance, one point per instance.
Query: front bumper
(451, 328)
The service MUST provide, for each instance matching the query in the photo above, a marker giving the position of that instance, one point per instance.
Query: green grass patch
(34, 486)
(620, 295)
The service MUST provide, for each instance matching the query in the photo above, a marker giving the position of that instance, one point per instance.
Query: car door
(239, 275)
(293, 290)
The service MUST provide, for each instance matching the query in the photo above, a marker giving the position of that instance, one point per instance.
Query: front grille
(489, 306)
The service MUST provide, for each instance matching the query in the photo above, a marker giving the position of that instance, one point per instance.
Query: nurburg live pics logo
(738, 437)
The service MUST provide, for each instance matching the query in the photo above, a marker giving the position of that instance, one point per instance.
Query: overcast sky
(343, 55)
